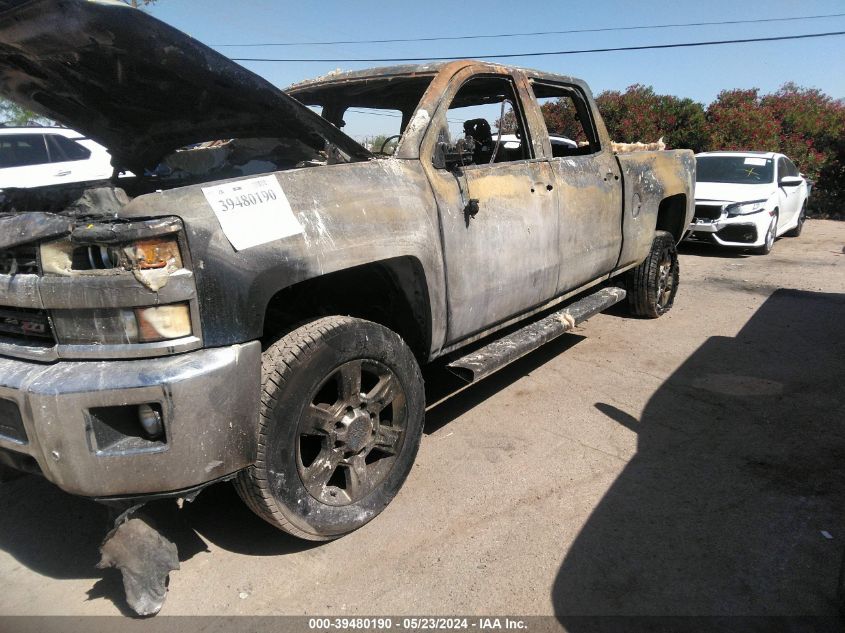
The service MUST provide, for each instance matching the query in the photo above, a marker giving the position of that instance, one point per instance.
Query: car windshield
(739, 170)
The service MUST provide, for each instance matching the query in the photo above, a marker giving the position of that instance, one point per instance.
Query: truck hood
(138, 86)
(728, 192)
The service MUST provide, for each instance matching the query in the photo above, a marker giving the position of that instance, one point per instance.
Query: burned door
(497, 205)
(589, 183)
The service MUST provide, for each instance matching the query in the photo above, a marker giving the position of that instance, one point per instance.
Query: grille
(708, 211)
(746, 233)
(19, 260)
(25, 324)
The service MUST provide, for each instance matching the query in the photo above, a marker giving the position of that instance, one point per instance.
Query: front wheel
(771, 235)
(341, 420)
(652, 285)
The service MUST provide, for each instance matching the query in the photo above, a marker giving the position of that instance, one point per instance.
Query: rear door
(73, 162)
(24, 161)
(589, 185)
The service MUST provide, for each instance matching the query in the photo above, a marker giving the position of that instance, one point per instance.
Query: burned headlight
(66, 258)
(121, 326)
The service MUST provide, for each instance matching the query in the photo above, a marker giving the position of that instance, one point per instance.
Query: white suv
(40, 156)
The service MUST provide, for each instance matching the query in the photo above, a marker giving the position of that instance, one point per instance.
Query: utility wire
(567, 32)
(571, 52)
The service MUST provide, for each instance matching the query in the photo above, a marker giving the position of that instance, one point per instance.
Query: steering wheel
(384, 144)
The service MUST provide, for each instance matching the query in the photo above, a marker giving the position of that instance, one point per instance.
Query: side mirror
(790, 181)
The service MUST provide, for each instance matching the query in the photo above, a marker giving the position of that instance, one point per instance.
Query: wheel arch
(672, 215)
(392, 292)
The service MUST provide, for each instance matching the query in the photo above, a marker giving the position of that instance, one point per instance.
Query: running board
(493, 356)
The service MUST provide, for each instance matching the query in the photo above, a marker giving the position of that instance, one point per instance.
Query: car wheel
(800, 226)
(771, 234)
(341, 420)
(652, 285)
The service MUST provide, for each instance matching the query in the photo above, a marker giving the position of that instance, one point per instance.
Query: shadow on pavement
(449, 397)
(733, 504)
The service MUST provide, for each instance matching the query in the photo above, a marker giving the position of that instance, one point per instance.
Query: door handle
(63, 173)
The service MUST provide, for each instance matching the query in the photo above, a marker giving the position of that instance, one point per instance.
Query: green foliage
(803, 123)
(13, 114)
(562, 119)
(638, 114)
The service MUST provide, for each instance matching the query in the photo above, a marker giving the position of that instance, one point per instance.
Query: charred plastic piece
(145, 558)
(22, 229)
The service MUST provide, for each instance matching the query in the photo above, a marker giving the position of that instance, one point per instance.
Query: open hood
(138, 86)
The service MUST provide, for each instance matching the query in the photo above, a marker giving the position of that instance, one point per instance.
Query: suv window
(63, 149)
(20, 150)
(791, 169)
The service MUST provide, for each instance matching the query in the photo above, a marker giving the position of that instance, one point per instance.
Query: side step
(492, 357)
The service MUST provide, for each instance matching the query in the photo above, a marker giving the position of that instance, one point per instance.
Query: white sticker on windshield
(760, 162)
(252, 212)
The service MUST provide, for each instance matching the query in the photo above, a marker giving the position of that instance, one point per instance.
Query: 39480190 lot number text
(246, 200)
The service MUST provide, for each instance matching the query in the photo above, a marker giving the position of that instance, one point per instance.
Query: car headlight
(121, 326)
(745, 208)
(63, 257)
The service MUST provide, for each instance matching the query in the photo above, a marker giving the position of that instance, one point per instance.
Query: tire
(800, 226)
(652, 285)
(771, 236)
(341, 419)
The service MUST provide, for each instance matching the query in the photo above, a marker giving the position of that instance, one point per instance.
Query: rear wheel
(652, 285)
(341, 420)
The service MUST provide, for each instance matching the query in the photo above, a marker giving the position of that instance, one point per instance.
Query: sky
(699, 73)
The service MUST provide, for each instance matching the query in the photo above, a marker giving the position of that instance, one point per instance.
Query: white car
(41, 156)
(560, 144)
(747, 199)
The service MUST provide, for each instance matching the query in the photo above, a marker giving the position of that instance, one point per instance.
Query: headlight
(121, 326)
(745, 208)
(63, 257)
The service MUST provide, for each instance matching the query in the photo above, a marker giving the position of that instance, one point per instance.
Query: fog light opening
(150, 419)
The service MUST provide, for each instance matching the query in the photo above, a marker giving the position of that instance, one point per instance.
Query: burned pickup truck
(255, 302)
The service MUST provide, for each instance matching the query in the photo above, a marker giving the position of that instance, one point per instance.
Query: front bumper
(742, 231)
(208, 399)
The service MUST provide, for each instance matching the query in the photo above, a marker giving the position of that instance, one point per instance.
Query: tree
(639, 114)
(812, 126)
(737, 120)
(13, 114)
(803, 123)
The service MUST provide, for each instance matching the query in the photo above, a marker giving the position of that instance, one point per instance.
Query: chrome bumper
(209, 402)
